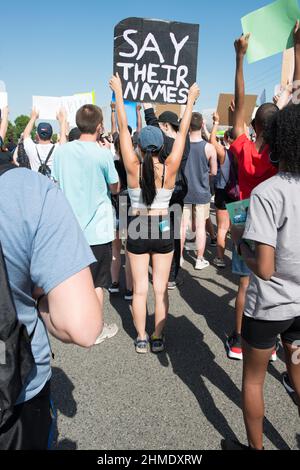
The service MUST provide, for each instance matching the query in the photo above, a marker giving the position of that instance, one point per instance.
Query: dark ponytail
(147, 182)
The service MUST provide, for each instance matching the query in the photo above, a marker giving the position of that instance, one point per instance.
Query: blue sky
(64, 47)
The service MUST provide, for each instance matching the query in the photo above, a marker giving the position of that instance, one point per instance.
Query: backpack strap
(48, 156)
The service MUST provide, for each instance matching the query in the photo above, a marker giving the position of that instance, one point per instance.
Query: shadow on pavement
(193, 362)
(218, 315)
(62, 395)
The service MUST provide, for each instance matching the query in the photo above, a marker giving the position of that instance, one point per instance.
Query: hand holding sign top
(194, 93)
(241, 44)
(116, 84)
(34, 114)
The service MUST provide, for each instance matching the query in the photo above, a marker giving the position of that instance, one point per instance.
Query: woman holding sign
(150, 188)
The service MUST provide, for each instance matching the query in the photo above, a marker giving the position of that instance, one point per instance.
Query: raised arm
(29, 128)
(62, 119)
(211, 155)
(139, 118)
(4, 122)
(113, 118)
(221, 153)
(175, 157)
(150, 116)
(241, 46)
(296, 84)
(282, 100)
(129, 156)
(205, 131)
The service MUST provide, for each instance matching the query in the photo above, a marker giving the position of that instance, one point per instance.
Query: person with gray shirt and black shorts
(273, 298)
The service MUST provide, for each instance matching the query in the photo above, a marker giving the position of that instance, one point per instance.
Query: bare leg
(254, 372)
(139, 268)
(292, 360)
(116, 259)
(240, 303)
(223, 222)
(161, 265)
(128, 273)
(210, 229)
(200, 234)
(185, 224)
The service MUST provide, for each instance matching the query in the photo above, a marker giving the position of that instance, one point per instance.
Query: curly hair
(283, 137)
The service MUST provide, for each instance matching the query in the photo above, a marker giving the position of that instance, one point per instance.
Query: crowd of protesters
(64, 224)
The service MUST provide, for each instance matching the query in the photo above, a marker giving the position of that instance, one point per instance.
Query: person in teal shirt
(86, 174)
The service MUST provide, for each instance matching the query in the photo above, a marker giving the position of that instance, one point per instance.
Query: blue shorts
(239, 266)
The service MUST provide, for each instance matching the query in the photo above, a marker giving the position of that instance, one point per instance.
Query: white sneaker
(201, 264)
(181, 261)
(108, 332)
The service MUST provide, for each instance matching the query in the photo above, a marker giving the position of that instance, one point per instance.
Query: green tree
(54, 138)
(10, 135)
(20, 124)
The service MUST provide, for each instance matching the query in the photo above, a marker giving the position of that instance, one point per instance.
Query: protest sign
(47, 106)
(3, 100)
(271, 29)
(225, 112)
(156, 60)
(72, 103)
(130, 108)
(90, 95)
(288, 67)
(174, 108)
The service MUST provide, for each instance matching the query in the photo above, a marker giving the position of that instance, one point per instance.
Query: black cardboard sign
(156, 60)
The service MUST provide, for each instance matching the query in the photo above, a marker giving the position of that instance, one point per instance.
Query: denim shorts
(239, 266)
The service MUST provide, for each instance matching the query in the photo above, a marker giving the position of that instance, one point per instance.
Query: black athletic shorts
(221, 199)
(30, 425)
(101, 269)
(150, 234)
(260, 334)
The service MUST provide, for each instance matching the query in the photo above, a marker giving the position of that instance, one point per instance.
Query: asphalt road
(110, 398)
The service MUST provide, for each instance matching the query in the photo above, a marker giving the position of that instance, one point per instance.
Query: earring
(274, 162)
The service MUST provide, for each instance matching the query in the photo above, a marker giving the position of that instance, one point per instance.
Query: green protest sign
(271, 29)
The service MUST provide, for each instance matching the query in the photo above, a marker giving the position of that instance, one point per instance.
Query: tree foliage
(15, 129)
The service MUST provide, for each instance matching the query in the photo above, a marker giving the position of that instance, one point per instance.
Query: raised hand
(115, 83)
(241, 44)
(216, 118)
(194, 92)
(35, 114)
(61, 115)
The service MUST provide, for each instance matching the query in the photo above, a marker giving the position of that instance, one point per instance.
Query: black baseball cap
(74, 134)
(170, 118)
(45, 131)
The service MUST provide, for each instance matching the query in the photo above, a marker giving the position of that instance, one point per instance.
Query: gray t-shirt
(197, 174)
(43, 246)
(274, 219)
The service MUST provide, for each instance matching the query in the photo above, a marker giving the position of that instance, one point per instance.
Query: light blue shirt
(83, 171)
(43, 246)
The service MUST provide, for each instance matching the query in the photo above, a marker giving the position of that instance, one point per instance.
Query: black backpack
(44, 168)
(16, 358)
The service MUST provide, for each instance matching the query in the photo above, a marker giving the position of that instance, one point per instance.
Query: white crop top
(162, 198)
(161, 201)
